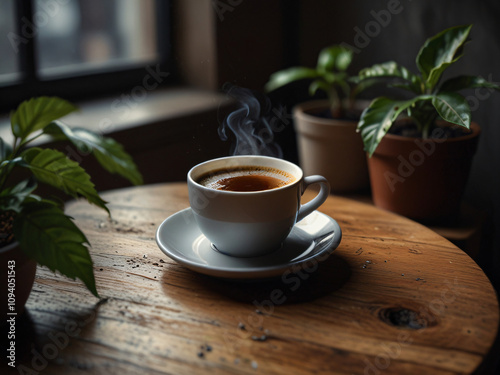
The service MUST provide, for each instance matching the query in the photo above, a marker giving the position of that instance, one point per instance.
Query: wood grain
(394, 298)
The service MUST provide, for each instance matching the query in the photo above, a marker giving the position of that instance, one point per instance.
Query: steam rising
(250, 123)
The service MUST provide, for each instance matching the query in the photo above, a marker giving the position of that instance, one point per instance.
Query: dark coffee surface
(246, 179)
(249, 183)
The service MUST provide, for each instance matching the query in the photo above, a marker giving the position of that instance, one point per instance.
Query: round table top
(393, 298)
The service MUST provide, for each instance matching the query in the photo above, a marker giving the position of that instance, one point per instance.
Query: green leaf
(467, 82)
(47, 235)
(54, 168)
(286, 76)
(441, 51)
(452, 107)
(6, 167)
(109, 153)
(12, 198)
(5, 150)
(377, 119)
(9, 163)
(36, 113)
(334, 58)
(362, 85)
(391, 70)
(336, 78)
(318, 84)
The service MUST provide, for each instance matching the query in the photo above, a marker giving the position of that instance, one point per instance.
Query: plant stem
(4, 175)
(6, 169)
(427, 126)
(425, 131)
(417, 122)
(24, 143)
(14, 148)
(335, 105)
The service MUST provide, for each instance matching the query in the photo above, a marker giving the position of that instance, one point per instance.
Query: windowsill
(166, 132)
(122, 112)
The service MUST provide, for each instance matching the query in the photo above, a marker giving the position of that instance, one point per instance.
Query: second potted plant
(326, 129)
(419, 163)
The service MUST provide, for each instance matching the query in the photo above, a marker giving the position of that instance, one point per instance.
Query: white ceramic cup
(246, 224)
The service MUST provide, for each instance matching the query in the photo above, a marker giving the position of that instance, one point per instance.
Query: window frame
(98, 83)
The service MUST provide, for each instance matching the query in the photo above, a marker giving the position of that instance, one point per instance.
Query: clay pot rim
(394, 145)
(9, 247)
(475, 130)
(303, 110)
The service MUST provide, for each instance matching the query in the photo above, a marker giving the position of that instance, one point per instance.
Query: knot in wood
(407, 318)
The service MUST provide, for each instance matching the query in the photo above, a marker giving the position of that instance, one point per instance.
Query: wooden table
(393, 298)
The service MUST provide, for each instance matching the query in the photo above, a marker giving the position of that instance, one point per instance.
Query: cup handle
(318, 200)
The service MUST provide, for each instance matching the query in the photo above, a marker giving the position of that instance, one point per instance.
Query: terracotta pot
(422, 179)
(331, 148)
(13, 259)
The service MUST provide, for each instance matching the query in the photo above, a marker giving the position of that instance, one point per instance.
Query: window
(9, 66)
(79, 48)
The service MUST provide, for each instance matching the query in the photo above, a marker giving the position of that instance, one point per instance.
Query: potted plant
(326, 129)
(35, 229)
(420, 148)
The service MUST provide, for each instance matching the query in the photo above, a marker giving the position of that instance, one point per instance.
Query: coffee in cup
(246, 178)
(247, 205)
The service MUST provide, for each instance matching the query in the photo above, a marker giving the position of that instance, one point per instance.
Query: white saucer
(312, 240)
